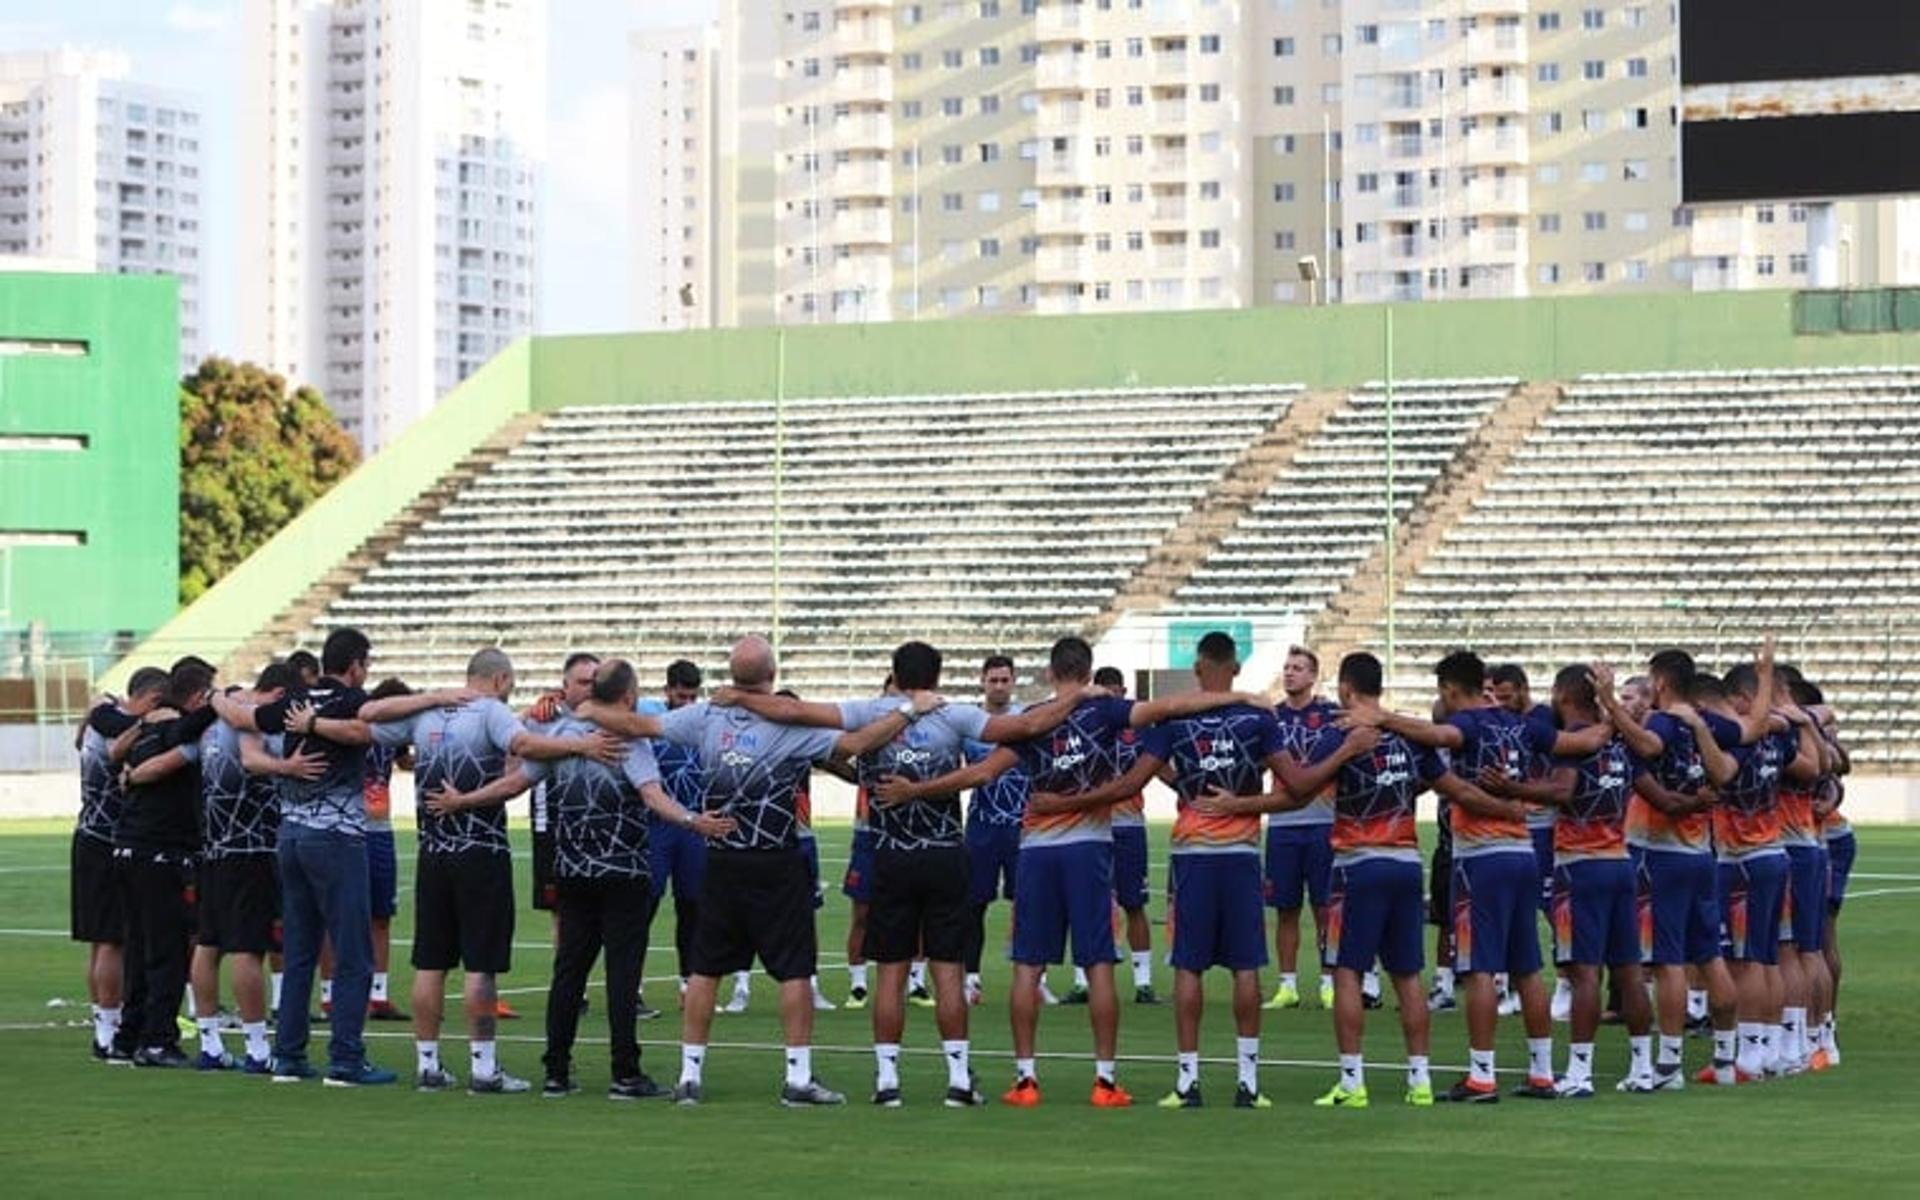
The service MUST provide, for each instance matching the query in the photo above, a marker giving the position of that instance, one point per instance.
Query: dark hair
(1676, 667)
(1788, 672)
(1705, 687)
(302, 662)
(1464, 670)
(1511, 674)
(1070, 660)
(1303, 652)
(1575, 682)
(994, 661)
(194, 660)
(1805, 693)
(390, 687)
(1362, 673)
(1109, 677)
(275, 677)
(613, 681)
(344, 647)
(187, 681)
(916, 667)
(1218, 647)
(576, 658)
(147, 679)
(683, 674)
(1742, 679)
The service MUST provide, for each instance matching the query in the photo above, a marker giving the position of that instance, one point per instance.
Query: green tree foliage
(252, 457)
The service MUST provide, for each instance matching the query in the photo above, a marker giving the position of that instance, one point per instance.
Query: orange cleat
(504, 1011)
(1820, 1060)
(1710, 1077)
(1025, 1093)
(1110, 1095)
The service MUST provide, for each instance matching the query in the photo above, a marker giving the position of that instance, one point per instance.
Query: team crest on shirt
(1313, 720)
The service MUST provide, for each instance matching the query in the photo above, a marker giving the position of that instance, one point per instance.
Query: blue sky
(192, 46)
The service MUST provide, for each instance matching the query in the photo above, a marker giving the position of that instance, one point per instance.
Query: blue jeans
(324, 892)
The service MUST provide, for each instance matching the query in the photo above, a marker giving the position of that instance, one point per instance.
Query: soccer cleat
(636, 1087)
(1509, 1004)
(497, 1084)
(1243, 1097)
(1025, 1093)
(384, 1010)
(1538, 1089)
(822, 1004)
(1636, 1085)
(1441, 1000)
(292, 1070)
(326, 1012)
(1286, 995)
(686, 1095)
(643, 1011)
(1077, 996)
(966, 1097)
(887, 1098)
(809, 1095)
(435, 1079)
(256, 1066)
(856, 998)
(1740, 1076)
(558, 1087)
(215, 1062)
(1046, 994)
(363, 1075)
(1566, 1089)
(504, 1012)
(1108, 1094)
(1466, 1092)
(1339, 1097)
(1820, 1061)
(116, 1057)
(1670, 1079)
(736, 1005)
(162, 1057)
(919, 997)
(1145, 995)
(1179, 1099)
(1371, 1000)
(1419, 1095)
(1719, 1073)
(186, 1026)
(975, 995)
(1326, 993)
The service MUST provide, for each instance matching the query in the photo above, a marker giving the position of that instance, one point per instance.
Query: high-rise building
(100, 173)
(879, 159)
(671, 175)
(388, 225)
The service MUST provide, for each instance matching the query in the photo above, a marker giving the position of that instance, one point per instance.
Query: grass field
(71, 1126)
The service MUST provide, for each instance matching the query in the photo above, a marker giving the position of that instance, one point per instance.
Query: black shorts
(919, 902)
(1440, 886)
(755, 902)
(543, 880)
(97, 904)
(463, 912)
(240, 904)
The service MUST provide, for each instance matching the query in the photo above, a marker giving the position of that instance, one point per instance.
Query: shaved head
(751, 663)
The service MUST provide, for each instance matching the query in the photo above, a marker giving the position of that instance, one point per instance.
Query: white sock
(1671, 1052)
(1080, 978)
(1751, 1057)
(275, 979)
(1443, 980)
(1480, 1066)
(1289, 979)
(1353, 1072)
(326, 991)
(813, 981)
(481, 1055)
(1142, 968)
(210, 1036)
(1579, 1062)
(857, 976)
(1696, 1003)
(886, 1068)
(959, 1063)
(106, 1023)
(1770, 1046)
(692, 1059)
(800, 1066)
(743, 983)
(1500, 984)
(379, 992)
(1023, 1068)
(973, 981)
(1540, 1058)
(1103, 1069)
(1246, 1057)
(426, 1055)
(1640, 1052)
(1417, 1075)
(1793, 1025)
(1370, 984)
(917, 974)
(1189, 1064)
(1726, 1045)
(258, 1047)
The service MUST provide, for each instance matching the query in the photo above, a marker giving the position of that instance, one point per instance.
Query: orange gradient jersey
(1677, 768)
(1373, 796)
(1594, 825)
(1493, 737)
(1225, 749)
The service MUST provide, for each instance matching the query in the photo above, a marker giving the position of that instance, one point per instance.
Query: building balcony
(871, 38)
(1401, 247)
(1716, 235)
(1168, 65)
(1498, 196)
(1170, 163)
(1061, 71)
(1497, 147)
(862, 227)
(1170, 112)
(868, 131)
(1496, 8)
(1058, 21)
(878, 6)
(1401, 197)
(1504, 95)
(1498, 44)
(862, 85)
(865, 177)
(1061, 215)
(1170, 256)
(1168, 208)
(1062, 264)
(1403, 147)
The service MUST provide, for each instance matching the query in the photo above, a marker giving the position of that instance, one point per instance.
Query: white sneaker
(820, 1002)
(736, 1005)
(1509, 1004)
(1046, 994)
(1562, 1006)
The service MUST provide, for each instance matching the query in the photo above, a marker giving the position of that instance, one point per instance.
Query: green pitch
(72, 1125)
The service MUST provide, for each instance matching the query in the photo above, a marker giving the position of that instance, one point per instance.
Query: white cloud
(199, 18)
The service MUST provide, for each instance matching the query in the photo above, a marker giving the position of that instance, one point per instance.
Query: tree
(252, 458)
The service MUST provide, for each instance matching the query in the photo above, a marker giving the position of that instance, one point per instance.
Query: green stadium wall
(1329, 347)
(121, 491)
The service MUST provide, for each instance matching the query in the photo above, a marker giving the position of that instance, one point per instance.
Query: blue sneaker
(256, 1066)
(363, 1075)
(292, 1070)
(215, 1062)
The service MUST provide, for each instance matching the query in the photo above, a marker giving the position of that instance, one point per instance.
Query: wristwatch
(686, 819)
(908, 711)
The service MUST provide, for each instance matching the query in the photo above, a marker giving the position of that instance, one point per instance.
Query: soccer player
(677, 856)
(994, 813)
(1130, 886)
(1495, 884)
(463, 882)
(97, 906)
(1375, 907)
(1837, 832)
(1512, 691)
(857, 882)
(323, 860)
(383, 864)
(576, 683)
(1299, 840)
(919, 863)
(757, 898)
(1066, 857)
(305, 668)
(155, 841)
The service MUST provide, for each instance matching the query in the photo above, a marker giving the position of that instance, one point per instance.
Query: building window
(989, 56)
(1593, 18)
(1797, 213)
(1283, 95)
(953, 60)
(1283, 239)
(1209, 43)
(989, 104)
(1635, 270)
(989, 247)
(1634, 222)
(1593, 68)
(1763, 214)
(1594, 272)
(1547, 73)
(989, 202)
(1549, 223)
(952, 202)
(952, 155)
(1548, 123)
(1136, 240)
(1209, 239)
(1283, 193)
(1283, 144)
(1634, 170)
(1593, 172)
(910, 110)
(1797, 264)
(1283, 47)
(1636, 68)
(1594, 222)
(952, 106)
(1329, 45)
(1547, 22)
(1548, 273)
(1209, 93)
(1763, 265)
(1366, 183)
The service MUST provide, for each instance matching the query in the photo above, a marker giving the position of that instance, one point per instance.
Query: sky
(192, 46)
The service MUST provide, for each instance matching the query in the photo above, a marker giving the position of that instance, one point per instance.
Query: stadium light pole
(1389, 512)
(779, 469)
